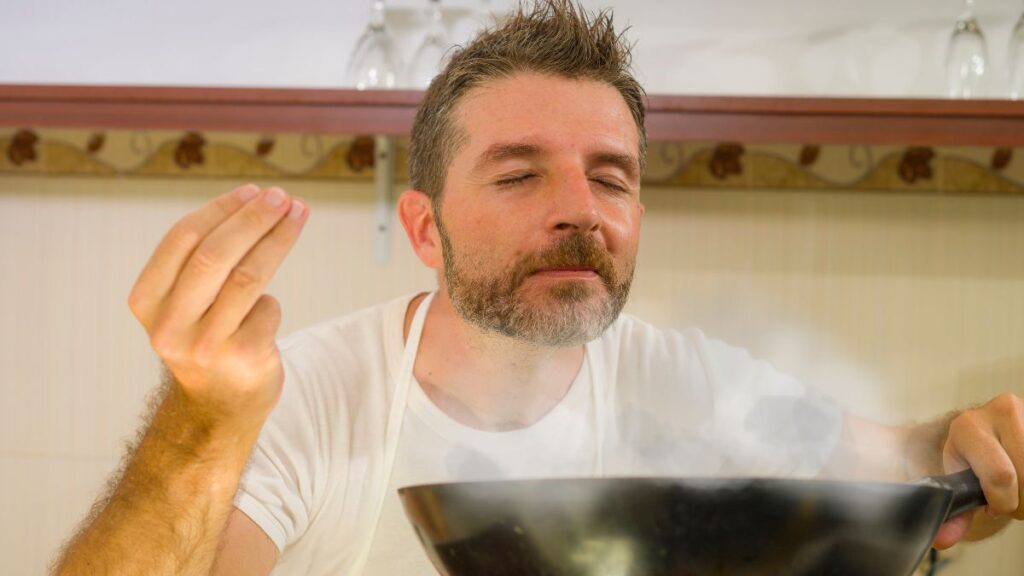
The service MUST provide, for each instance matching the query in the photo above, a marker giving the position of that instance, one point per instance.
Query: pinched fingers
(245, 283)
(209, 266)
(161, 271)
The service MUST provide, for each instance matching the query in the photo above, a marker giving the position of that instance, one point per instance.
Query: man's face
(540, 215)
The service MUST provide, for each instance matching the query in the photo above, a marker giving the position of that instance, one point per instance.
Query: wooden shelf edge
(925, 122)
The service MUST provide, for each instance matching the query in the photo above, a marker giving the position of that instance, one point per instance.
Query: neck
(485, 380)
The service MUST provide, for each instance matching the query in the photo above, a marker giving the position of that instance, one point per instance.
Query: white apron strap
(600, 388)
(394, 427)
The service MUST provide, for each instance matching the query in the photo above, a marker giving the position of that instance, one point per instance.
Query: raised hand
(200, 298)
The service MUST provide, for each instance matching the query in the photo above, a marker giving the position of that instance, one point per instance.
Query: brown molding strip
(895, 121)
(230, 109)
(670, 118)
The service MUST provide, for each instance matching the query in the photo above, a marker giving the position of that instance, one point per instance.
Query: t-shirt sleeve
(766, 422)
(286, 473)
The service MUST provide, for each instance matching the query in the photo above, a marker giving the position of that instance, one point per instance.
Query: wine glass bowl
(1015, 60)
(967, 56)
(429, 56)
(375, 61)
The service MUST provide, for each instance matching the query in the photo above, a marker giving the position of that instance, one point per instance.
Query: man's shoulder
(356, 327)
(632, 334)
(354, 348)
(638, 351)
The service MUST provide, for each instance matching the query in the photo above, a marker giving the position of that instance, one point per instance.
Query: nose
(574, 206)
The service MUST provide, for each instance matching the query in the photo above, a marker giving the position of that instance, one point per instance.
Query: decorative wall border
(263, 157)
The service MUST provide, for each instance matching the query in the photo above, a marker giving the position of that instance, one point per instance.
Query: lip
(567, 273)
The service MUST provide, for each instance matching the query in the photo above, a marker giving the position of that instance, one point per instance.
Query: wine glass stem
(436, 26)
(377, 13)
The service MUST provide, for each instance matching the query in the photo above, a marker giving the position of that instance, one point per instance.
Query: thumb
(953, 530)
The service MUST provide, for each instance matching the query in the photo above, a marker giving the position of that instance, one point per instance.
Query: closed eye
(610, 185)
(512, 181)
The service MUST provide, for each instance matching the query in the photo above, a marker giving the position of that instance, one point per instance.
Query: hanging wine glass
(1016, 60)
(967, 57)
(429, 56)
(375, 62)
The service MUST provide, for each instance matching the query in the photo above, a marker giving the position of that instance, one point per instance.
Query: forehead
(554, 113)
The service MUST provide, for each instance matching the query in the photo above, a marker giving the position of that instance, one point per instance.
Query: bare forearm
(868, 450)
(166, 513)
(924, 443)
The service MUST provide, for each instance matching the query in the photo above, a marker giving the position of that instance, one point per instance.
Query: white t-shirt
(678, 404)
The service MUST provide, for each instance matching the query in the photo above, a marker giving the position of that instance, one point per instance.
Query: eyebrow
(499, 152)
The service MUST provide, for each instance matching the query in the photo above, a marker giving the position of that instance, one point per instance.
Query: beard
(570, 313)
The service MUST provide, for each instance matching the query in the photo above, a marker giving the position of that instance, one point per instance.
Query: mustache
(575, 251)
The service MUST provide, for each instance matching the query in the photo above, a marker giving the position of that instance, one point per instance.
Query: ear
(417, 216)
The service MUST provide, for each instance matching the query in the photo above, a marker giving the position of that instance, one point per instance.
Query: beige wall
(901, 306)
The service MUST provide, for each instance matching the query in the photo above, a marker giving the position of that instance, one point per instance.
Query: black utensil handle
(967, 493)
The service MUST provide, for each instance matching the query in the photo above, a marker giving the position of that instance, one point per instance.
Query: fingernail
(275, 197)
(248, 192)
(297, 209)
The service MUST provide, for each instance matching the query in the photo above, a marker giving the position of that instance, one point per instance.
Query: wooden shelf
(670, 118)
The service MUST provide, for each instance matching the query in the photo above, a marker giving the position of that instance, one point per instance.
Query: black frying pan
(684, 527)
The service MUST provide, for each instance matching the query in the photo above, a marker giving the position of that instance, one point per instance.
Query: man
(526, 159)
